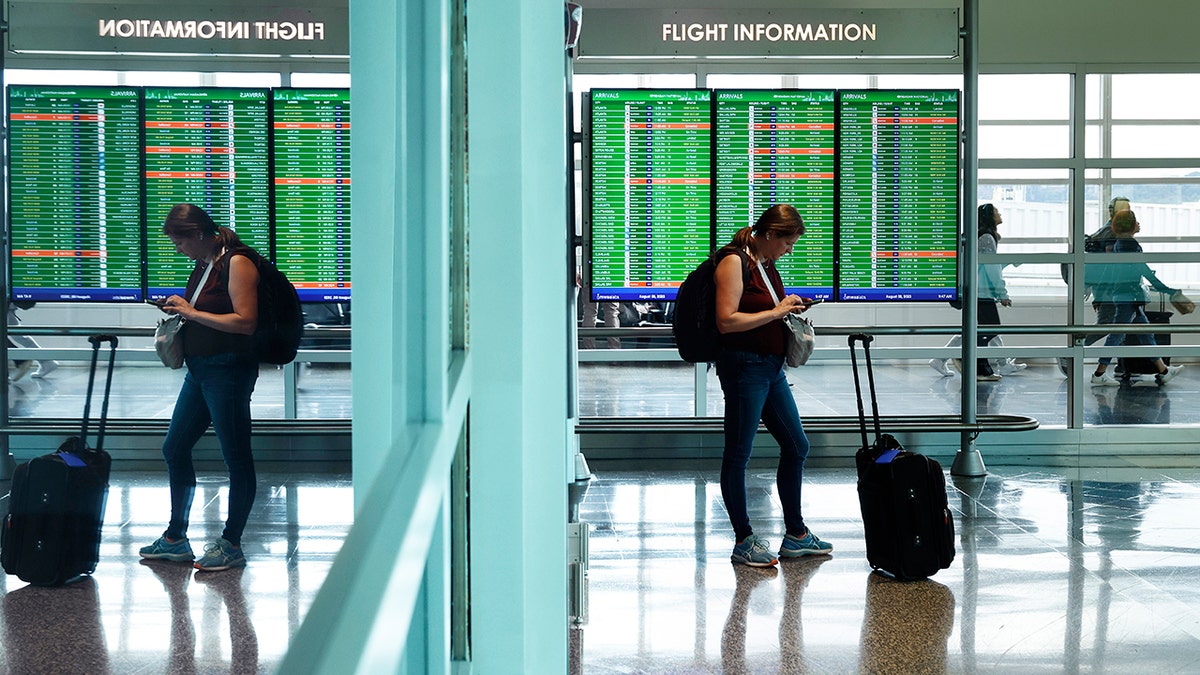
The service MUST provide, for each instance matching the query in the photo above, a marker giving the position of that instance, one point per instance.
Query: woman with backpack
(222, 369)
(750, 366)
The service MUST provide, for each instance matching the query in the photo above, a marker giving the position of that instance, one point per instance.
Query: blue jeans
(756, 389)
(216, 390)
(1127, 312)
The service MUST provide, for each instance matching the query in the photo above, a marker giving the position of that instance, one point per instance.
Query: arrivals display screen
(777, 147)
(651, 203)
(209, 147)
(75, 193)
(874, 174)
(311, 153)
(898, 215)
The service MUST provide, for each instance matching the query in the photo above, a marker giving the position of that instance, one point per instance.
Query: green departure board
(898, 201)
(209, 147)
(75, 193)
(777, 147)
(650, 201)
(311, 152)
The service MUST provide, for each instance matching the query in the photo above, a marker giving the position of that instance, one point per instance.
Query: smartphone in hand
(157, 303)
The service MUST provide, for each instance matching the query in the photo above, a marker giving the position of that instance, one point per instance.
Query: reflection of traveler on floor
(55, 630)
(612, 317)
(992, 290)
(1123, 288)
(21, 368)
(221, 372)
(750, 367)
(1100, 241)
(796, 575)
(906, 626)
(243, 640)
(175, 580)
(733, 635)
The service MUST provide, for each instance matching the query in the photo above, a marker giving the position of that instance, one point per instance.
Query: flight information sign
(311, 152)
(898, 201)
(75, 193)
(777, 147)
(650, 180)
(209, 147)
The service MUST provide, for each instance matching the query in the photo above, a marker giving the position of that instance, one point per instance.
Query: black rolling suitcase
(906, 517)
(56, 509)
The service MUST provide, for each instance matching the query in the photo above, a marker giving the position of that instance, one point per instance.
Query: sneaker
(220, 555)
(20, 369)
(753, 551)
(1064, 366)
(1104, 380)
(1011, 367)
(45, 368)
(1163, 378)
(941, 366)
(990, 377)
(809, 544)
(161, 549)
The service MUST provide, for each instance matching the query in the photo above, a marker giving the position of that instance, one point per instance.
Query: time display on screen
(777, 147)
(75, 193)
(651, 201)
(209, 147)
(898, 180)
(311, 153)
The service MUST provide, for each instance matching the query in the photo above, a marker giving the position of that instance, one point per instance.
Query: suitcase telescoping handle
(96, 341)
(862, 415)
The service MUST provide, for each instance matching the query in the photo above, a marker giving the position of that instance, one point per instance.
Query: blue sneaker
(161, 549)
(220, 555)
(795, 547)
(753, 551)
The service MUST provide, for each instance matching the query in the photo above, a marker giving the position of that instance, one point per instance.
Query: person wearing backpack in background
(1100, 241)
(222, 368)
(750, 367)
(1124, 290)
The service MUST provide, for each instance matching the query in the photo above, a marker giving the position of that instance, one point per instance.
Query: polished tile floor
(826, 388)
(1056, 571)
(135, 616)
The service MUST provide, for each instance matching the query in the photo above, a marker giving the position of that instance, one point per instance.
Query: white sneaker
(1010, 367)
(1105, 380)
(45, 368)
(1163, 378)
(941, 366)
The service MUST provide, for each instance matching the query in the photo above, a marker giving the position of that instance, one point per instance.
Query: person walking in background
(1124, 290)
(22, 368)
(1100, 241)
(612, 315)
(750, 368)
(221, 373)
(992, 292)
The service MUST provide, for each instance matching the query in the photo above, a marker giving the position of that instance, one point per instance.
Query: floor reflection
(1057, 570)
(136, 616)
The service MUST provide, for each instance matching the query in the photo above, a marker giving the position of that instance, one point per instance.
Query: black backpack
(694, 323)
(280, 318)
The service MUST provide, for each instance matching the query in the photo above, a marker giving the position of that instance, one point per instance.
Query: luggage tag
(887, 456)
(71, 460)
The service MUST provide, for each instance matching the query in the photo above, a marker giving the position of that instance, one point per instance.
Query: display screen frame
(901, 282)
(98, 245)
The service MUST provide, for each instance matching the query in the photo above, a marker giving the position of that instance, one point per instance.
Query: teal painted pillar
(518, 336)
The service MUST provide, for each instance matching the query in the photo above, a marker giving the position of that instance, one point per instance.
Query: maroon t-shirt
(201, 340)
(769, 338)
